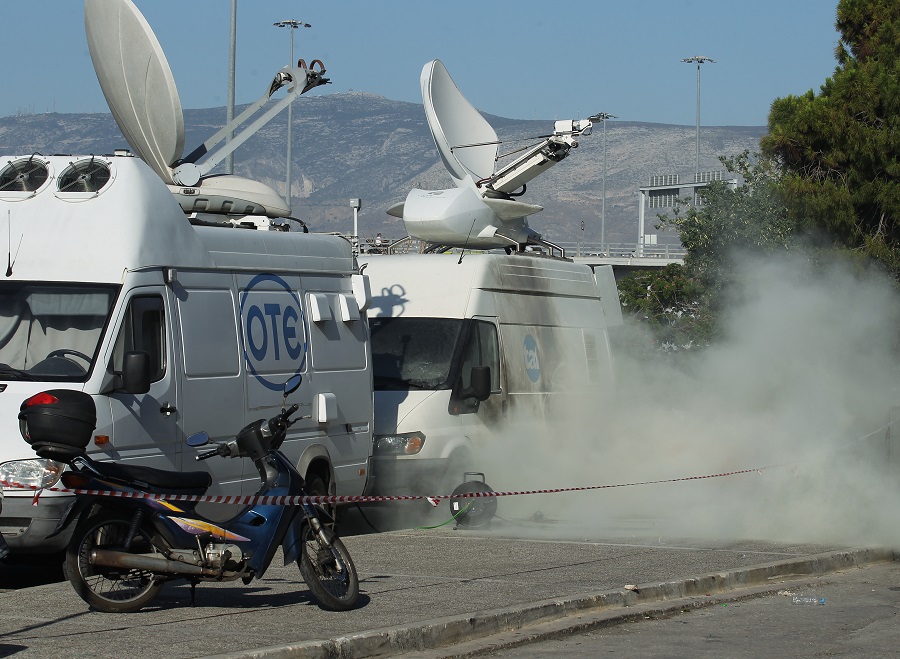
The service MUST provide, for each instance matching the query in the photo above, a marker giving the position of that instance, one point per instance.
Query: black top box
(58, 423)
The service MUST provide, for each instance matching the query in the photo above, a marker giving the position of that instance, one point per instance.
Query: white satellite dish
(141, 93)
(136, 81)
(482, 212)
(466, 141)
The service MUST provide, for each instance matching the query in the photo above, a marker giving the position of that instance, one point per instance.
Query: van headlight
(35, 472)
(409, 443)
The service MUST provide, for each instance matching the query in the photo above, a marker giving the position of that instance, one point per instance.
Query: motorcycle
(124, 549)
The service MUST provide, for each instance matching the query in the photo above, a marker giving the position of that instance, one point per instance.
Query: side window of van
(144, 328)
(482, 349)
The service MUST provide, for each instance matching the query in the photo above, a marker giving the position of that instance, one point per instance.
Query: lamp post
(603, 116)
(699, 59)
(356, 205)
(229, 109)
(292, 25)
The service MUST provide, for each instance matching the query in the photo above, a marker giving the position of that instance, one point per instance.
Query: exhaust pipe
(121, 559)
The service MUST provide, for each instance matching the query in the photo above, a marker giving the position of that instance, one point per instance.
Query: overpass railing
(623, 250)
(409, 245)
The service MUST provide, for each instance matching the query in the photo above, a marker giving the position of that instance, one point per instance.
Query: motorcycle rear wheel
(336, 589)
(110, 589)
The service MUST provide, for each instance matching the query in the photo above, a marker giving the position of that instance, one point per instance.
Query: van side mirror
(136, 372)
(480, 386)
(466, 400)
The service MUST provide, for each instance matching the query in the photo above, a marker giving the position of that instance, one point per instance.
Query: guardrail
(408, 245)
(623, 250)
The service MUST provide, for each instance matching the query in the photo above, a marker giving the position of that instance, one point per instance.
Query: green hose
(436, 526)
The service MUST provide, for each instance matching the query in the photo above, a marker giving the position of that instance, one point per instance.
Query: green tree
(749, 217)
(670, 304)
(839, 150)
(679, 305)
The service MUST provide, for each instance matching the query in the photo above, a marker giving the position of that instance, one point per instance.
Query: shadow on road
(29, 571)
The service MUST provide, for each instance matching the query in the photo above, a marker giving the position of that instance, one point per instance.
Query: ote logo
(274, 336)
(532, 363)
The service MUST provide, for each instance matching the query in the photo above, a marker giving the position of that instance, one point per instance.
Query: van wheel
(317, 487)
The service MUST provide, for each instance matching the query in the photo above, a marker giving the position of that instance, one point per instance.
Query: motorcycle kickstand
(194, 583)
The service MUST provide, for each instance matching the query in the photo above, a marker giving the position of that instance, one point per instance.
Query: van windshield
(413, 352)
(51, 331)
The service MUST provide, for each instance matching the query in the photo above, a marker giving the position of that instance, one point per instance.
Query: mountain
(359, 145)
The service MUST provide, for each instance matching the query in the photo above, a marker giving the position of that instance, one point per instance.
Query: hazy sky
(520, 59)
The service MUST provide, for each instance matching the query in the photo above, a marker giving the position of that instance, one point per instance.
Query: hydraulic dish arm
(299, 80)
(538, 158)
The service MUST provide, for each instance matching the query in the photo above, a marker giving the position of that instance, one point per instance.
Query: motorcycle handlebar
(284, 417)
(222, 449)
(256, 438)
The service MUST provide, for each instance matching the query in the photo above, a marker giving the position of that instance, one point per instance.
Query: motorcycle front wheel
(328, 570)
(110, 589)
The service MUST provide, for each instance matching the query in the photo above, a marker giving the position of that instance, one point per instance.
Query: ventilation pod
(230, 195)
(84, 179)
(23, 178)
(140, 90)
(483, 211)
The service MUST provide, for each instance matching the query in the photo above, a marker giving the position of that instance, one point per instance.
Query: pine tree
(839, 150)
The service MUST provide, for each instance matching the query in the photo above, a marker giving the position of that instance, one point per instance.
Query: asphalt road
(858, 619)
(420, 589)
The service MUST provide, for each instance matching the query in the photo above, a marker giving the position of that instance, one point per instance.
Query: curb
(442, 632)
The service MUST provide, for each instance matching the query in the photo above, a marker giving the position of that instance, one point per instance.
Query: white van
(462, 344)
(104, 264)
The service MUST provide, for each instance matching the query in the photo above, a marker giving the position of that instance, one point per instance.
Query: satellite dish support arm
(538, 158)
(188, 173)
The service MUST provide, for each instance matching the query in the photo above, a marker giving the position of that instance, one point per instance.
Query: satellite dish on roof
(484, 211)
(136, 81)
(141, 93)
(455, 125)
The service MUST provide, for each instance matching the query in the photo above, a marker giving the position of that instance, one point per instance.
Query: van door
(144, 426)
(211, 381)
(482, 348)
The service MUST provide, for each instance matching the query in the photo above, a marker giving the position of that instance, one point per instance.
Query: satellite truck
(466, 345)
(142, 267)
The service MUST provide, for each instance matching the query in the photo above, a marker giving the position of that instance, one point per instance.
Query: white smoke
(801, 387)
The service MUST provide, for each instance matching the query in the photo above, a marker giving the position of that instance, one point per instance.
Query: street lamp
(699, 59)
(292, 25)
(603, 116)
(229, 106)
(356, 205)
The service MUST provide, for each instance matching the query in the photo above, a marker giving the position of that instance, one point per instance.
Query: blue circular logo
(532, 363)
(274, 337)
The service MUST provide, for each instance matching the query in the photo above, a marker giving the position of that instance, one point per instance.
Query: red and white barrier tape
(434, 500)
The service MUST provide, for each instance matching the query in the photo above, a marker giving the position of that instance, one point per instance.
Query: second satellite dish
(483, 212)
(466, 141)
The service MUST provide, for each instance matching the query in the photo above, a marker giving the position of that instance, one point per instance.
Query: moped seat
(198, 481)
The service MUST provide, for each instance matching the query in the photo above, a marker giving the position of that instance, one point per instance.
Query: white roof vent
(90, 175)
(25, 175)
